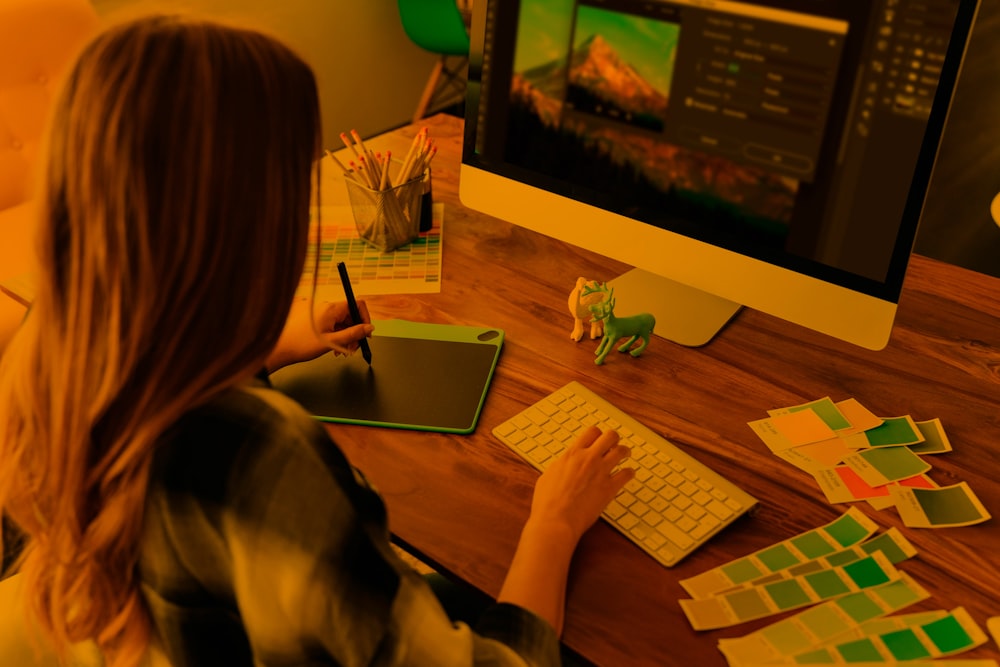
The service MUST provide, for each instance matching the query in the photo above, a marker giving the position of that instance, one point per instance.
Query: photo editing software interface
(787, 131)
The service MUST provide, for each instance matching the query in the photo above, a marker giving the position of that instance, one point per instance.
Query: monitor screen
(773, 154)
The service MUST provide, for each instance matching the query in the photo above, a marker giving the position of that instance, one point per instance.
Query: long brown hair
(172, 238)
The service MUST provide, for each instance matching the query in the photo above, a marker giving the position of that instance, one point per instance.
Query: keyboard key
(675, 535)
(719, 509)
(701, 498)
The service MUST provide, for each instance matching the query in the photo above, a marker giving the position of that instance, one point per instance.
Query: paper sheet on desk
(412, 269)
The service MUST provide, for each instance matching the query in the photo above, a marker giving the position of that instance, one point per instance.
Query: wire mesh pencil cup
(390, 218)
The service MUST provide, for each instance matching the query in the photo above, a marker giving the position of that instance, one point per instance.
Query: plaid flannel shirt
(263, 546)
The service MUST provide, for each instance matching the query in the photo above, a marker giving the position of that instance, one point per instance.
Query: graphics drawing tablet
(427, 377)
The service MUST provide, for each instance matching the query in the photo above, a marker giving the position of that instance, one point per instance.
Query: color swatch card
(728, 609)
(927, 639)
(892, 432)
(881, 465)
(891, 544)
(880, 626)
(817, 421)
(414, 268)
(841, 484)
(824, 408)
(822, 623)
(943, 507)
(849, 529)
(935, 439)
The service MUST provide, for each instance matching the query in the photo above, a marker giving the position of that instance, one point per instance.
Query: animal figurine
(616, 328)
(579, 308)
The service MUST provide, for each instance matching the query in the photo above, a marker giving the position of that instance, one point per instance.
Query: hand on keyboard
(672, 504)
(579, 484)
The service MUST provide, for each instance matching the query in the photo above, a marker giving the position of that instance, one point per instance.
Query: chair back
(38, 39)
(435, 26)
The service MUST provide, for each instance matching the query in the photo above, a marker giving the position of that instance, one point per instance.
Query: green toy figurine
(616, 328)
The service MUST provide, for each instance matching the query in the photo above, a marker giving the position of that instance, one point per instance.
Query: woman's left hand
(302, 340)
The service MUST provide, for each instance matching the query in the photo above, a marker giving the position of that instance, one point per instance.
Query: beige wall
(370, 75)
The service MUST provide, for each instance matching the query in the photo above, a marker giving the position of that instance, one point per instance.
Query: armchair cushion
(38, 38)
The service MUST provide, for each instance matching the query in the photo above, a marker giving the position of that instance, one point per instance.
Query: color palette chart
(842, 578)
(748, 604)
(411, 269)
(891, 544)
(848, 530)
(855, 456)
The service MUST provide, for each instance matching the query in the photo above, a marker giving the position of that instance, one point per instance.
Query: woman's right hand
(569, 496)
(576, 487)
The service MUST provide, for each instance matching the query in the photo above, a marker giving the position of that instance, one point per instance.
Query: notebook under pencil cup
(388, 218)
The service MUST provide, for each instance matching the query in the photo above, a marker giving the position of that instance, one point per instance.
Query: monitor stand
(683, 314)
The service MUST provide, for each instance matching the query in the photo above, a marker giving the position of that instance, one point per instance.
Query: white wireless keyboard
(672, 506)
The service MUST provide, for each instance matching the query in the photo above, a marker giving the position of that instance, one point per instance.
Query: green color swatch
(893, 463)
(859, 607)
(947, 506)
(887, 545)
(741, 570)
(748, 604)
(777, 557)
(847, 531)
(935, 440)
(787, 638)
(827, 584)
(905, 645)
(861, 650)
(892, 432)
(812, 545)
(788, 594)
(899, 594)
(824, 621)
(948, 635)
(866, 573)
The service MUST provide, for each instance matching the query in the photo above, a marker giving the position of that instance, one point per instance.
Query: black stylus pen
(352, 307)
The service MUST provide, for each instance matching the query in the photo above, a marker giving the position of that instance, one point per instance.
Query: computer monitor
(773, 154)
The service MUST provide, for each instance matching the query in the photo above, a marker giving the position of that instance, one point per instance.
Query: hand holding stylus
(352, 306)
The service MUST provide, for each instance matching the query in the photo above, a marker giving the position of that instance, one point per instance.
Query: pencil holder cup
(390, 218)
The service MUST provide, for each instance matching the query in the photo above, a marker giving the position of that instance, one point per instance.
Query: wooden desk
(461, 500)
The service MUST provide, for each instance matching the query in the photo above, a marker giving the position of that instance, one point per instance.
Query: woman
(168, 495)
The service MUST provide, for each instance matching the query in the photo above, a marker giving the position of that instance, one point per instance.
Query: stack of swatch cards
(856, 456)
(843, 577)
